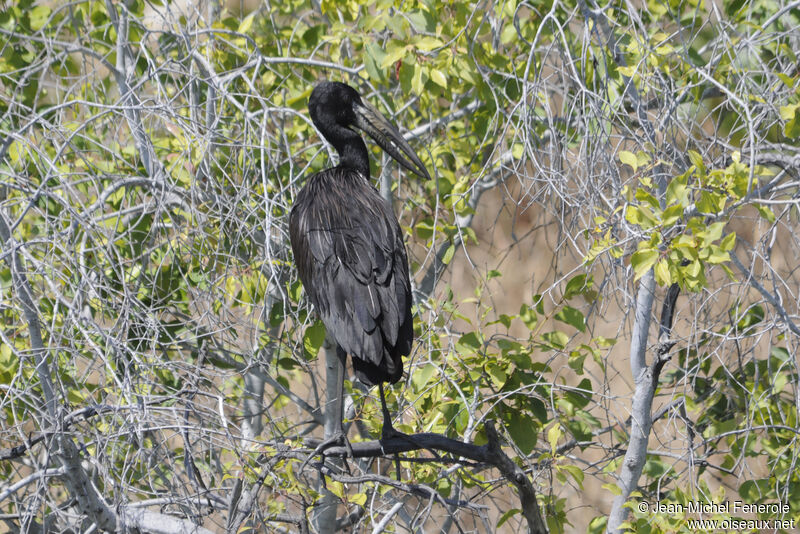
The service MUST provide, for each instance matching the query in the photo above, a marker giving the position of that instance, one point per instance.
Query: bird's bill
(388, 138)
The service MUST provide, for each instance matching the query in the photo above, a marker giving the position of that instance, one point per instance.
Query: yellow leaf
(438, 78)
(427, 43)
(417, 81)
(630, 159)
(662, 273)
(642, 260)
(247, 23)
(553, 435)
(787, 112)
(448, 254)
(337, 488)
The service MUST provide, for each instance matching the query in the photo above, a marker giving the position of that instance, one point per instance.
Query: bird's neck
(352, 150)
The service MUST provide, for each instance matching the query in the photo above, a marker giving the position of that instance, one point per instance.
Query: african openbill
(349, 248)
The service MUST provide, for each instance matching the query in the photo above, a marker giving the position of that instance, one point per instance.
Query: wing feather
(352, 261)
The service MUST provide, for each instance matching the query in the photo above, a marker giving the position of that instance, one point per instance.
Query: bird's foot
(388, 432)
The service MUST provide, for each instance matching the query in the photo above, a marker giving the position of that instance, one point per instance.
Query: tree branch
(490, 454)
(646, 383)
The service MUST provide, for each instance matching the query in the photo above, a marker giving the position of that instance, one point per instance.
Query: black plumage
(348, 245)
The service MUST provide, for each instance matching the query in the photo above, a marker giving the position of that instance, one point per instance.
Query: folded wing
(353, 264)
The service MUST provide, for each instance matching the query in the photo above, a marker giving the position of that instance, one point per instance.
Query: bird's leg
(333, 434)
(334, 423)
(388, 431)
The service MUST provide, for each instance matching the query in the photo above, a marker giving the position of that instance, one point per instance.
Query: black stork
(349, 249)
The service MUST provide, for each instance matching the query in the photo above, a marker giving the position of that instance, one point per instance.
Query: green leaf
(394, 53)
(780, 381)
(422, 21)
(556, 339)
(503, 319)
(717, 256)
(428, 43)
(528, 316)
(645, 196)
(678, 191)
(572, 317)
(370, 23)
(753, 491)
(728, 242)
(577, 285)
(712, 233)
(373, 61)
(629, 158)
(424, 229)
(732, 6)
(9, 364)
(575, 472)
(576, 359)
(506, 516)
(729, 273)
(766, 213)
(791, 114)
(497, 374)
(38, 17)
(753, 316)
(538, 409)
(524, 431)
(711, 202)
(781, 354)
(469, 343)
(15, 152)
(598, 524)
(788, 112)
(672, 215)
(580, 399)
(788, 81)
(605, 342)
(641, 216)
(697, 161)
(448, 254)
(661, 271)
(420, 378)
(286, 363)
(538, 301)
(313, 338)
(642, 260)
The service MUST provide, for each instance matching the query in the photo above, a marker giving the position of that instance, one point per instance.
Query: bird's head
(335, 104)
